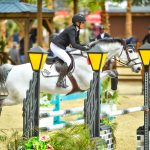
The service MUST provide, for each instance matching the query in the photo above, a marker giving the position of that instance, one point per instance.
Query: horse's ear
(123, 42)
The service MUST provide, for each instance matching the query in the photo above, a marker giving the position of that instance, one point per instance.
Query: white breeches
(61, 53)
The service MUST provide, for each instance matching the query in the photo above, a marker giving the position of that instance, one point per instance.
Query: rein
(129, 59)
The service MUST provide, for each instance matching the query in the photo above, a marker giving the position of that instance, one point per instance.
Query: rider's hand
(86, 48)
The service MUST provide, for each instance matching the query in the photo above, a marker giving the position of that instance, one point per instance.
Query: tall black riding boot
(63, 73)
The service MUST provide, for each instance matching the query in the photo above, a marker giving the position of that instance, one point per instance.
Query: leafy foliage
(37, 144)
(11, 27)
(3, 43)
(105, 88)
(92, 5)
(70, 138)
(45, 100)
(135, 2)
(13, 140)
(74, 138)
(113, 126)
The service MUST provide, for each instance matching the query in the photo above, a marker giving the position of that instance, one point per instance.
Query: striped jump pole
(72, 111)
(123, 111)
(46, 113)
(56, 99)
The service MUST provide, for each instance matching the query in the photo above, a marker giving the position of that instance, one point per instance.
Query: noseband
(126, 49)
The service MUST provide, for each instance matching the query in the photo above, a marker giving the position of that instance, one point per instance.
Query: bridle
(126, 49)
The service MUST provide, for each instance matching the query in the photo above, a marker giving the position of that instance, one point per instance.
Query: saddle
(51, 60)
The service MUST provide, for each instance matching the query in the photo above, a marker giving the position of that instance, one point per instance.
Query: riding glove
(86, 48)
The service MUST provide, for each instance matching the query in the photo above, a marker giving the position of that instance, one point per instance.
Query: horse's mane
(111, 40)
(99, 42)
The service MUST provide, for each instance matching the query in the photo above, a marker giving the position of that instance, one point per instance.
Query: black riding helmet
(78, 18)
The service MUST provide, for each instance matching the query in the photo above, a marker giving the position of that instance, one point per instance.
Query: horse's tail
(4, 70)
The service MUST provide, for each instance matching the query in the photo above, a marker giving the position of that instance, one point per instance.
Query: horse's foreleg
(114, 83)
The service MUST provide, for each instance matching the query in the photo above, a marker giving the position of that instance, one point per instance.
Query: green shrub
(74, 138)
(12, 139)
(69, 138)
(2, 44)
(105, 89)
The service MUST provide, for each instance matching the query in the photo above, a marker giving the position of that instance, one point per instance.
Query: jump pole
(80, 109)
(56, 99)
(46, 113)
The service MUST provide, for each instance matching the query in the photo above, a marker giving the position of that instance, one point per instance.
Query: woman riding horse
(59, 43)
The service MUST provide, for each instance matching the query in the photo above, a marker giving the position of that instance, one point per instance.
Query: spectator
(21, 51)
(16, 37)
(102, 34)
(92, 36)
(147, 37)
(33, 36)
(13, 53)
(109, 65)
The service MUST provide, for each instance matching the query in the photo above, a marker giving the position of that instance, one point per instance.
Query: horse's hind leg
(0, 110)
(1, 104)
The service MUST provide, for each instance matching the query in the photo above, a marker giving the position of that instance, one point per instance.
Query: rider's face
(81, 24)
